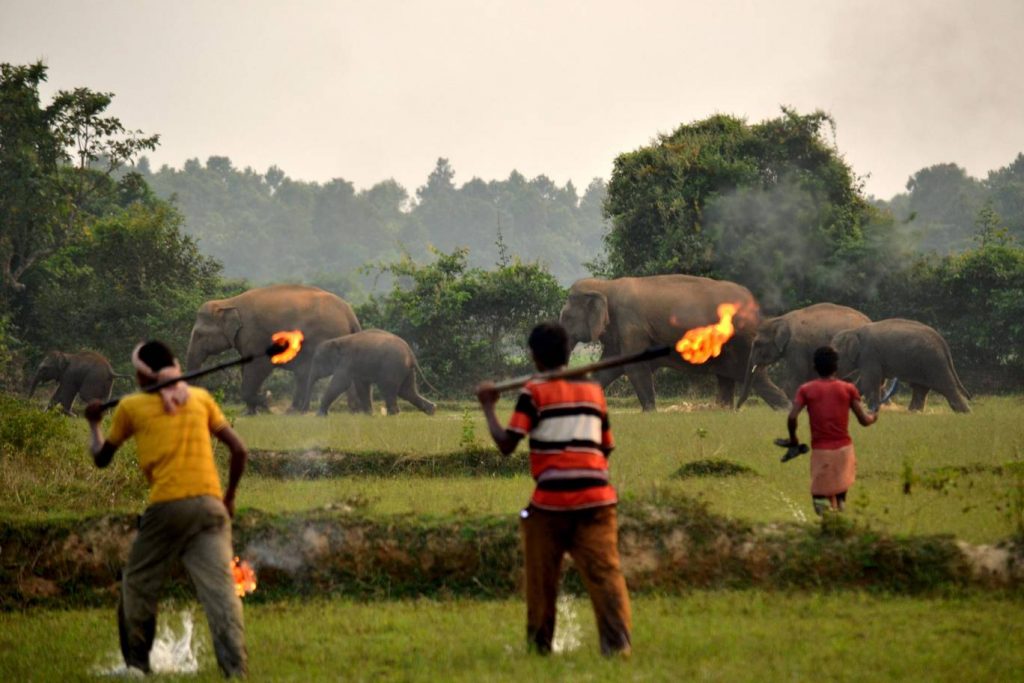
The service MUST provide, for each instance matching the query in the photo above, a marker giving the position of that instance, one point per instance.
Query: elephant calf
(912, 351)
(87, 375)
(365, 358)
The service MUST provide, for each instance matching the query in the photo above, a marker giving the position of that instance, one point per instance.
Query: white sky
(377, 89)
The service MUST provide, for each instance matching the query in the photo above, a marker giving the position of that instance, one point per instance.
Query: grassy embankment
(718, 636)
(963, 472)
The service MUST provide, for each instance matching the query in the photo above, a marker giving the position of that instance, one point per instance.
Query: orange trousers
(591, 538)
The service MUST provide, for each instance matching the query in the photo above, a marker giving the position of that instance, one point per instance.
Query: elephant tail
(423, 376)
(959, 384)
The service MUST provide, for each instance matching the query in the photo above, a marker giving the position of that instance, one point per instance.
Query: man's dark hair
(156, 355)
(550, 344)
(826, 360)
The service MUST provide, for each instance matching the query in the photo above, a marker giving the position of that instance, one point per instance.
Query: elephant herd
(624, 315)
(629, 314)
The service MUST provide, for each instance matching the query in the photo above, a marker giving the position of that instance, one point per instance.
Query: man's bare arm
(239, 456)
(505, 440)
(865, 418)
(102, 451)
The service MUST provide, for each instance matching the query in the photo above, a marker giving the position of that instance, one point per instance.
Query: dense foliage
(91, 258)
(772, 205)
(465, 323)
(939, 210)
(267, 227)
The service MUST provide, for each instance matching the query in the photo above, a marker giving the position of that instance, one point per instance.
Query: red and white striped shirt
(570, 439)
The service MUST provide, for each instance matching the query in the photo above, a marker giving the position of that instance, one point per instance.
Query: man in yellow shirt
(187, 516)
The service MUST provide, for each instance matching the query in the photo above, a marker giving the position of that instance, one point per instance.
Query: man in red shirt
(829, 401)
(573, 506)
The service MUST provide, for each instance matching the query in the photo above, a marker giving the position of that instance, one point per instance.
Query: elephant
(87, 375)
(630, 314)
(247, 321)
(912, 351)
(367, 357)
(792, 339)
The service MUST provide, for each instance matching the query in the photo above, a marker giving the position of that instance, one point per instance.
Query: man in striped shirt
(572, 508)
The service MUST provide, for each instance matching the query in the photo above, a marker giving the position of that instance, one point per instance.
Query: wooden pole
(565, 373)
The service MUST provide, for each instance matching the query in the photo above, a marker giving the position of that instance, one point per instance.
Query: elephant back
(319, 314)
(671, 304)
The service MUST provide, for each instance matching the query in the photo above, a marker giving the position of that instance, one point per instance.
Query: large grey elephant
(87, 375)
(366, 358)
(247, 321)
(792, 338)
(629, 314)
(907, 349)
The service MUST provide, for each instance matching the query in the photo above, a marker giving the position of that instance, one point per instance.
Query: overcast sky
(377, 89)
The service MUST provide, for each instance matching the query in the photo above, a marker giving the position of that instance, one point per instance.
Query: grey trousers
(198, 530)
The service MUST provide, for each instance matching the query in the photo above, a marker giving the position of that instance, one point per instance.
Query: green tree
(56, 167)
(465, 324)
(134, 276)
(772, 205)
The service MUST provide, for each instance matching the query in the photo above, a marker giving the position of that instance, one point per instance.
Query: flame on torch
(701, 344)
(245, 577)
(292, 343)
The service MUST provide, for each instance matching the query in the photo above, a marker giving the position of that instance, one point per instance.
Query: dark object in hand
(791, 450)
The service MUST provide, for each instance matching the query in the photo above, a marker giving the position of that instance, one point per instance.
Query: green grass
(956, 466)
(718, 636)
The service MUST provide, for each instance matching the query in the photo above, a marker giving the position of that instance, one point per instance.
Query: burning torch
(284, 348)
(697, 346)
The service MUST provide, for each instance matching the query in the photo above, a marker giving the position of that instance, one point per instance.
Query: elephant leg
(726, 389)
(871, 387)
(767, 390)
(642, 379)
(409, 392)
(65, 396)
(917, 400)
(360, 397)
(253, 376)
(300, 397)
(390, 398)
(338, 385)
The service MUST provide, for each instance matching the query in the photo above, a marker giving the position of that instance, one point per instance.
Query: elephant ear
(232, 323)
(597, 314)
(780, 336)
(848, 346)
(60, 361)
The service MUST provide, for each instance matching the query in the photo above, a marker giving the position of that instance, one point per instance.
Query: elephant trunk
(195, 356)
(748, 380)
(35, 383)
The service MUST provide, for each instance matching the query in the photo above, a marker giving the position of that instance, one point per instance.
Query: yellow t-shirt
(175, 452)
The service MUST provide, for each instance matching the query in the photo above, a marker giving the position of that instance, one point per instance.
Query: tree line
(267, 227)
(97, 250)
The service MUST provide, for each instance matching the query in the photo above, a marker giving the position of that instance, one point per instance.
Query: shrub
(44, 463)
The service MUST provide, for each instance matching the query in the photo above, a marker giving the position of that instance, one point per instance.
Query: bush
(45, 463)
(465, 324)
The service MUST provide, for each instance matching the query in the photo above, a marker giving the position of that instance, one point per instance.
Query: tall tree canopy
(772, 205)
(56, 166)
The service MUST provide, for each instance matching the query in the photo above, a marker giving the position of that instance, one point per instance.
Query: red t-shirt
(828, 403)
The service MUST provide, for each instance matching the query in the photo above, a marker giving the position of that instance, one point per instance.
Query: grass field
(718, 636)
(963, 472)
(918, 474)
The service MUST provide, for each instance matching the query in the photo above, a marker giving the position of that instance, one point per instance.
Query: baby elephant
(87, 375)
(365, 358)
(912, 351)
